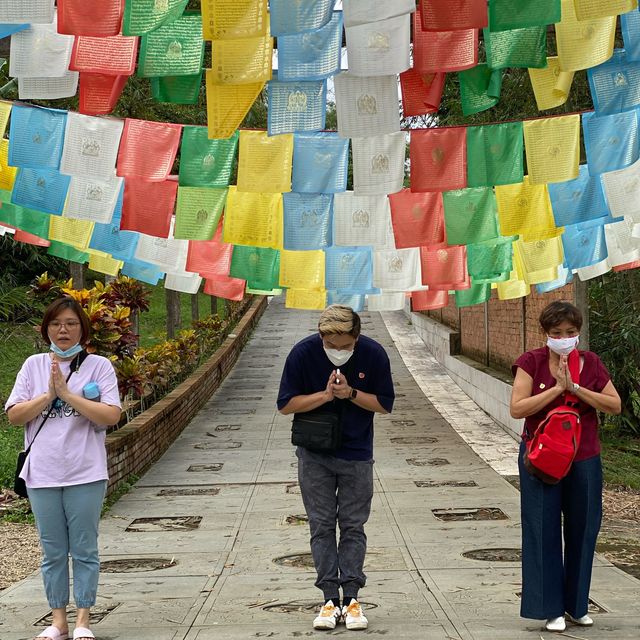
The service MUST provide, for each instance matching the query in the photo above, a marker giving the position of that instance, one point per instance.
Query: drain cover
(169, 523)
(414, 440)
(432, 462)
(135, 565)
(216, 466)
(298, 560)
(237, 412)
(404, 423)
(217, 445)
(98, 613)
(305, 606)
(494, 555)
(227, 427)
(207, 491)
(297, 519)
(478, 513)
(445, 483)
(293, 488)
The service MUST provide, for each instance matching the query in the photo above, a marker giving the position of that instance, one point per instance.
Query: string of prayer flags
(34, 222)
(177, 89)
(76, 233)
(519, 14)
(265, 162)
(205, 162)
(311, 56)
(228, 19)
(183, 282)
(243, 61)
(302, 269)
(175, 49)
(226, 288)
(65, 86)
(386, 301)
(444, 268)
(379, 48)
(378, 164)
(96, 18)
(553, 148)
(144, 272)
(209, 258)
(142, 16)
(579, 200)
(41, 188)
(65, 251)
(491, 260)
(7, 172)
(305, 299)
(298, 17)
(480, 88)
(259, 267)
(584, 245)
(360, 220)
(610, 141)
(539, 255)
(421, 93)
(630, 25)
(148, 206)
(296, 106)
(590, 9)
(198, 212)
(551, 85)
(148, 149)
(438, 159)
(307, 220)
(36, 136)
(349, 269)
(495, 154)
(114, 56)
(397, 269)
(449, 15)
(363, 11)
(475, 294)
(166, 253)
(365, 105)
(583, 44)
(470, 215)
(427, 300)
(92, 198)
(516, 48)
(320, 162)
(253, 218)
(90, 145)
(615, 84)
(417, 219)
(354, 300)
(623, 191)
(99, 93)
(440, 51)
(30, 11)
(121, 245)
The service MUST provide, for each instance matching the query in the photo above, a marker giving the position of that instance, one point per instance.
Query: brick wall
(505, 331)
(133, 448)
(472, 335)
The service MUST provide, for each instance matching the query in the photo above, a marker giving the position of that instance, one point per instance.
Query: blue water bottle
(91, 391)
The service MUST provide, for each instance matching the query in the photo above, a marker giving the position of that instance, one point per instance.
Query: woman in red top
(553, 586)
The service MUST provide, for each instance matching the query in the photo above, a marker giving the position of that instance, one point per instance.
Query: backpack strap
(574, 370)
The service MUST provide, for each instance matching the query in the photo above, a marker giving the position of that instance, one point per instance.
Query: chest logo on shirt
(62, 410)
(361, 375)
(542, 385)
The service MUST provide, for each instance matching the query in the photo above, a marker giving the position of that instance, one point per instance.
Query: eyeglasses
(56, 325)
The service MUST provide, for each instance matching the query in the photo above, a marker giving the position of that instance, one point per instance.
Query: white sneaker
(584, 621)
(353, 617)
(556, 624)
(328, 617)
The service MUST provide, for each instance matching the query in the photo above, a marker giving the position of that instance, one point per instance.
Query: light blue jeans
(67, 519)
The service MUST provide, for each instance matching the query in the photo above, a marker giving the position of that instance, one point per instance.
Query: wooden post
(195, 309)
(76, 271)
(581, 300)
(214, 305)
(173, 312)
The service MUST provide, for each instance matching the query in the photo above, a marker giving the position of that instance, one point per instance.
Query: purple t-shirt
(70, 449)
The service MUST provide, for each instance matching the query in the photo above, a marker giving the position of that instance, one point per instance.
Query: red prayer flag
(90, 17)
(99, 93)
(450, 15)
(429, 300)
(148, 149)
(445, 268)
(628, 265)
(438, 159)
(29, 238)
(228, 288)
(421, 93)
(114, 56)
(210, 258)
(417, 219)
(148, 206)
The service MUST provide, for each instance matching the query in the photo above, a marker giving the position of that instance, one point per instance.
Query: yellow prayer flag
(229, 19)
(306, 299)
(541, 255)
(533, 277)
(265, 162)
(589, 9)
(586, 44)
(253, 219)
(553, 149)
(7, 173)
(302, 269)
(227, 105)
(104, 263)
(551, 86)
(513, 288)
(5, 112)
(524, 208)
(77, 233)
(244, 61)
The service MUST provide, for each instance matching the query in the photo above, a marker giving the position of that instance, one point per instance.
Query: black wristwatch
(353, 394)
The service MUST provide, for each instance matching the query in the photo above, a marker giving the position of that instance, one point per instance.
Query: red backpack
(553, 447)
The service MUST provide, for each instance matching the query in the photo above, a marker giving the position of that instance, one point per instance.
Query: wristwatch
(576, 387)
(353, 394)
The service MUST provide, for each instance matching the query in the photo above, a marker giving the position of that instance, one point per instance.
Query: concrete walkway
(221, 520)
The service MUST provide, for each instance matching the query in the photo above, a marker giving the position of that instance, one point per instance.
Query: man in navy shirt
(340, 370)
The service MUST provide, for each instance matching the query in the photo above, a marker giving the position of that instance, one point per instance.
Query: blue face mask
(68, 353)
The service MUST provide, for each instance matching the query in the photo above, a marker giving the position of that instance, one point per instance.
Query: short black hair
(557, 312)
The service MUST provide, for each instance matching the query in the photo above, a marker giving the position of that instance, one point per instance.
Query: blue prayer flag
(41, 189)
(296, 106)
(296, 17)
(143, 271)
(615, 85)
(307, 220)
(565, 276)
(320, 163)
(349, 269)
(354, 300)
(611, 141)
(630, 23)
(584, 245)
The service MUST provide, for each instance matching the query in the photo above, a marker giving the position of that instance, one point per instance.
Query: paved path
(238, 554)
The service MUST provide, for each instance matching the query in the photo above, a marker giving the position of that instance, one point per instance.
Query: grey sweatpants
(336, 491)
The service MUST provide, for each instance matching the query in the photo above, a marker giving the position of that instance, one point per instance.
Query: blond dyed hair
(338, 319)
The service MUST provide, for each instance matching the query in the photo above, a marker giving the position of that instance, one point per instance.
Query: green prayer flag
(177, 89)
(476, 294)
(205, 162)
(470, 215)
(260, 267)
(198, 212)
(34, 222)
(67, 252)
(479, 88)
(262, 292)
(490, 260)
(142, 16)
(525, 48)
(174, 49)
(518, 14)
(5, 195)
(495, 154)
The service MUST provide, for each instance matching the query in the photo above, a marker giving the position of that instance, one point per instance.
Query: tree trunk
(214, 305)
(173, 312)
(76, 271)
(195, 309)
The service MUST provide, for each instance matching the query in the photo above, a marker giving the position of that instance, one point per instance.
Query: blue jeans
(67, 519)
(553, 584)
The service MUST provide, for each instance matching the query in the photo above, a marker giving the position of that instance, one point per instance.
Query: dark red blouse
(594, 376)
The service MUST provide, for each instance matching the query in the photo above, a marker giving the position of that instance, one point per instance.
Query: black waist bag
(318, 431)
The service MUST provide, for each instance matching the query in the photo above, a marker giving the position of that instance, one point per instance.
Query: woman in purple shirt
(553, 586)
(66, 469)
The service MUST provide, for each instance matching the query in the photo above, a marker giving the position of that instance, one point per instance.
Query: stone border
(133, 448)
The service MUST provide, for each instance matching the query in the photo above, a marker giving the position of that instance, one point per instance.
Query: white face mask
(563, 346)
(338, 358)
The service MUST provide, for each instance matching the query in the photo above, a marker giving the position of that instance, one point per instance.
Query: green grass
(621, 460)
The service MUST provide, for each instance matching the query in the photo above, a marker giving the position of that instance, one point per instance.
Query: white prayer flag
(386, 301)
(65, 86)
(361, 220)
(378, 164)
(397, 270)
(92, 198)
